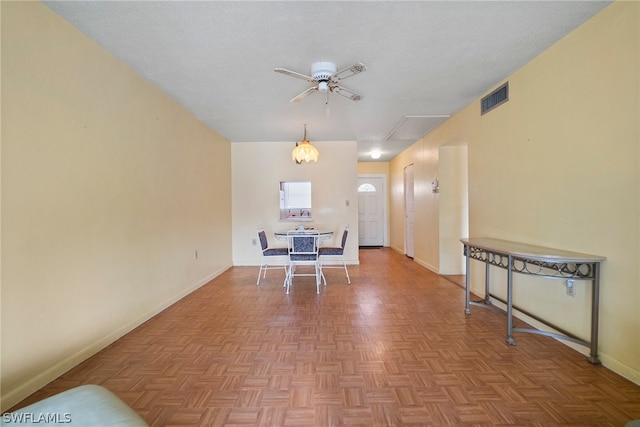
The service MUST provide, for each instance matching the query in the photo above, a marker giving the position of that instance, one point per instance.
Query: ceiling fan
(325, 78)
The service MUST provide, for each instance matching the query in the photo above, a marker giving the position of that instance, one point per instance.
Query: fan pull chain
(327, 111)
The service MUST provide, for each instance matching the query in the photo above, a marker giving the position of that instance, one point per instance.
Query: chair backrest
(344, 238)
(303, 245)
(263, 239)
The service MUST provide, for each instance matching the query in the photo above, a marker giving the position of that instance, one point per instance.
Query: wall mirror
(295, 201)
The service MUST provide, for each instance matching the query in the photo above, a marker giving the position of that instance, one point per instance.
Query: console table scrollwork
(536, 261)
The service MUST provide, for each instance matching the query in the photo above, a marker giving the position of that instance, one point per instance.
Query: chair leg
(287, 281)
(260, 274)
(264, 266)
(319, 277)
(285, 284)
(344, 265)
(345, 270)
(322, 278)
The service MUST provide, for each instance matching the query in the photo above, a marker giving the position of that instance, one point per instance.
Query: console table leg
(595, 309)
(487, 281)
(467, 284)
(510, 339)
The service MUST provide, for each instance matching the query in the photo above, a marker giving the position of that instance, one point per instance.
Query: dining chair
(270, 254)
(336, 253)
(303, 250)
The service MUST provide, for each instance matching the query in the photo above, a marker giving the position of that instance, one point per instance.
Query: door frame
(409, 232)
(385, 202)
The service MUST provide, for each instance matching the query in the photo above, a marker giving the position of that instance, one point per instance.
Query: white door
(409, 211)
(371, 215)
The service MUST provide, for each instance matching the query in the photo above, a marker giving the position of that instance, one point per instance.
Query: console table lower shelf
(536, 261)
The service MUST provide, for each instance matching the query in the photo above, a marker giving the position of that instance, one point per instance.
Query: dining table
(323, 235)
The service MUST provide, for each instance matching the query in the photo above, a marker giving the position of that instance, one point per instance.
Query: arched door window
(366, 188)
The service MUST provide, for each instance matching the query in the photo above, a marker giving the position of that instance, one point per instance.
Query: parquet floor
(392, 349)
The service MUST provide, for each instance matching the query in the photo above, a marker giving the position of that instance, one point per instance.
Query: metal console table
(536, 261)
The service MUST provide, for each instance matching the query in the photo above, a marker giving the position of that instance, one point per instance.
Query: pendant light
(304, 151)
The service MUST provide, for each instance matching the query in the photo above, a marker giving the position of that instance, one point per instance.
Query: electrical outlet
(254, 242)
(196, 254)
(571, 291)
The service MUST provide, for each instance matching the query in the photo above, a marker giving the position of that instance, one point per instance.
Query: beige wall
(258, 168)
(108, 190)
(557, 166)
(381, 168)
(453, 215)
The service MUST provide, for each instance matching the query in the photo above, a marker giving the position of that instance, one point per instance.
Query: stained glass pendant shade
(304, 151)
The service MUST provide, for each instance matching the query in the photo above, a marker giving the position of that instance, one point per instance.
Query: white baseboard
(397, 249)
(427, 265)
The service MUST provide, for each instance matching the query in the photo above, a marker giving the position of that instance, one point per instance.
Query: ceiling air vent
(495, 98)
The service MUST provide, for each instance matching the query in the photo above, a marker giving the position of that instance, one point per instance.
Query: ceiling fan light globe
(323, 86)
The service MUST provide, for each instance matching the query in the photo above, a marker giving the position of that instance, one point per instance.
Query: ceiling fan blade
(349, 71)
(347, 93)
(304, 94)
(294, 74)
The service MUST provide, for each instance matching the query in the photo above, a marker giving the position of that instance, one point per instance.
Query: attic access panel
(412, 128)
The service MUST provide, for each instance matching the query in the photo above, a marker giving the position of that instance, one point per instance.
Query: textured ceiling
(424, 58)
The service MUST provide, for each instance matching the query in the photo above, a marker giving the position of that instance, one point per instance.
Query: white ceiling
(424, 58)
